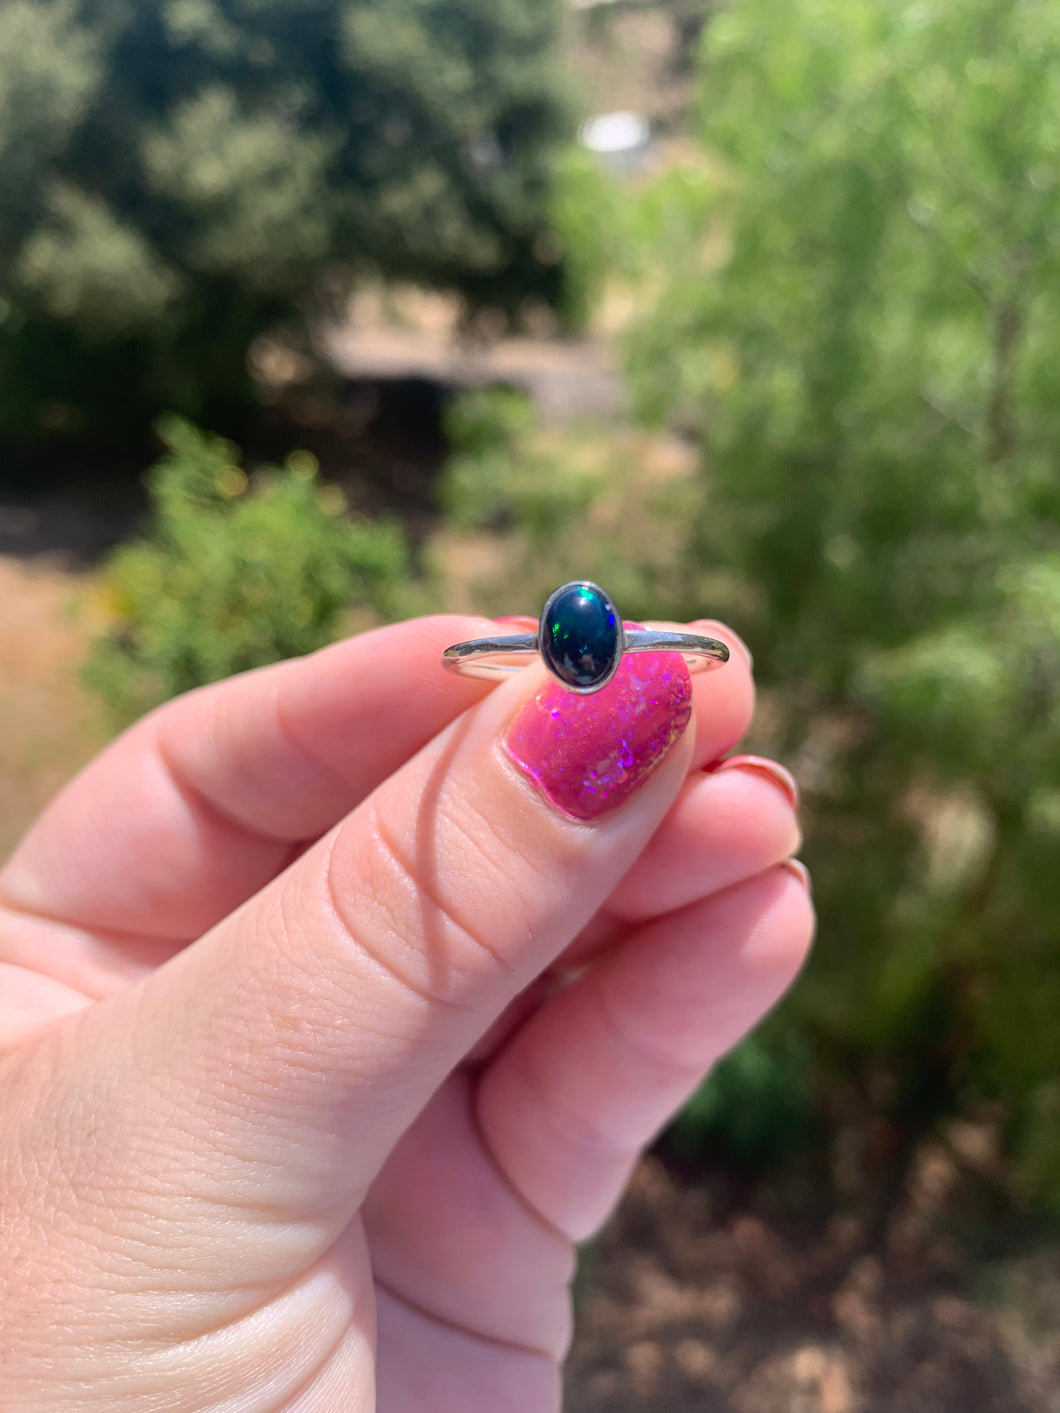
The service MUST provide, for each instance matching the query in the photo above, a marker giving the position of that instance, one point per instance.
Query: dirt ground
(48, 725)
(685, 1311)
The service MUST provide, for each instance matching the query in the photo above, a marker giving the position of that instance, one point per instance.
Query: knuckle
(679, 1054)
(400, 910)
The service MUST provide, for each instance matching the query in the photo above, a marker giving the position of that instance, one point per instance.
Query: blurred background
(315, 313)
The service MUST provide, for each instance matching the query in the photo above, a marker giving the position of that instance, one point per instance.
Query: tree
(179, 176)
(870, 370)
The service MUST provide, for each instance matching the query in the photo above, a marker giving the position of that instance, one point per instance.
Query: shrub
(235, 571)
(868, 361)
(754, 1109)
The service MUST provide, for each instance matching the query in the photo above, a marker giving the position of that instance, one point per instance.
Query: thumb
(270, 1067)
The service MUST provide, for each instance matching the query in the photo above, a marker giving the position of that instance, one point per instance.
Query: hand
(318, 1010)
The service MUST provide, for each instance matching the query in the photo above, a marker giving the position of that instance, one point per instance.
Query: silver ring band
(499, 656)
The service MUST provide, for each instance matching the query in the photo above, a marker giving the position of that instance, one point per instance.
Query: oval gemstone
(581, 636)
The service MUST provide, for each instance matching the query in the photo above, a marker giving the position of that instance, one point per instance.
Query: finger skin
(189, 1153)
(724, 702)
(448, 1233)
(242, 1099)
(202, 803)
(568, 1104)
(198, 805)
(723, 828)
(420, 1369)
(68, 1349)
(446, 1224)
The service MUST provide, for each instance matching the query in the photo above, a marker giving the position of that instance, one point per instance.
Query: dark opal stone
(581, 636)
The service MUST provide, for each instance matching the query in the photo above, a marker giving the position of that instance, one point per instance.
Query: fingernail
(711, 627)
(588, 754)
(769, 769)
(518, 620)
(801, 872)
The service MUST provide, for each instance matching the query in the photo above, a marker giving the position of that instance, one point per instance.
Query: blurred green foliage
(755, 1108)
(493, 480)
(854, 302)
(235, 571)
(633, 231)
(179, 176)
(565, 499)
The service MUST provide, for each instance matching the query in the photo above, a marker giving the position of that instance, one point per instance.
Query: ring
(582, 640)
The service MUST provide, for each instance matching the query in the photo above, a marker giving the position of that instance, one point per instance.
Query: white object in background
(621, 139)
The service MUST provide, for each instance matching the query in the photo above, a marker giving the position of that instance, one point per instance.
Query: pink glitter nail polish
(588, 754)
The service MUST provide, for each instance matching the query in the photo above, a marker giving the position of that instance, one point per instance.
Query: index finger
(203, 802)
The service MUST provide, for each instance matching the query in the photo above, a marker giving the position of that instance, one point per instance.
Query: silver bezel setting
(620, 638)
